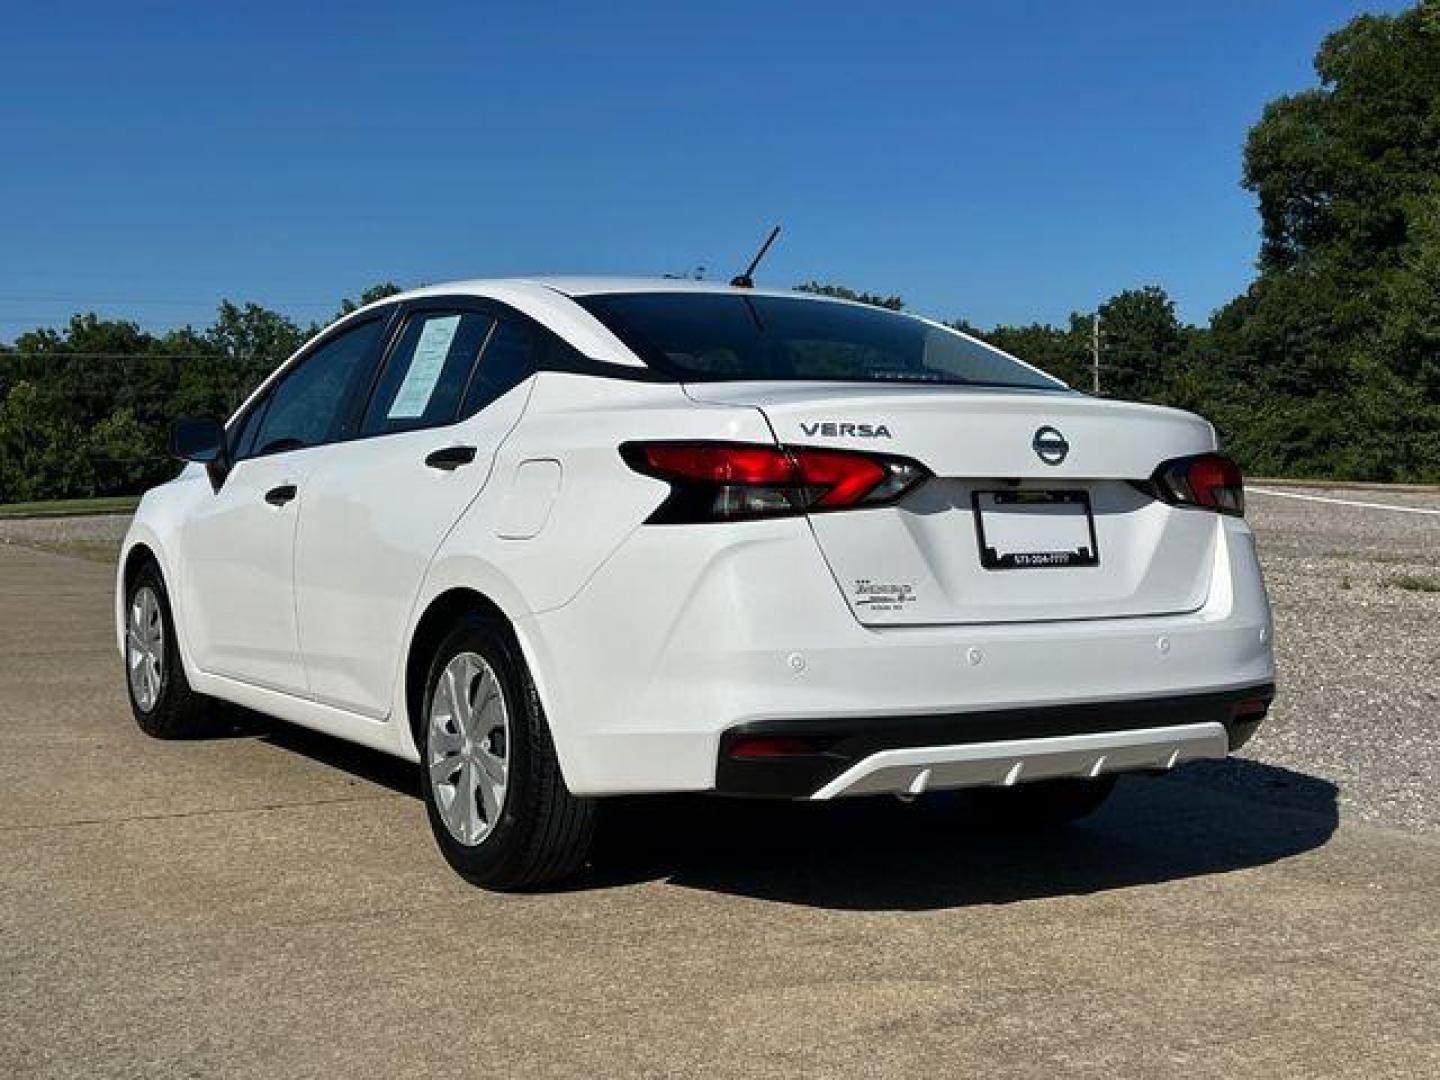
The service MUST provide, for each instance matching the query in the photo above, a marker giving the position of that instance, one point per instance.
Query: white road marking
(1342, 502)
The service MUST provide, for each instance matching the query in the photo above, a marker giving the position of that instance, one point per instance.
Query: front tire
(161, 700)
(497, 803)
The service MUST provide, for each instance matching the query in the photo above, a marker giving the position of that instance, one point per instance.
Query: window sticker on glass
(426, 365)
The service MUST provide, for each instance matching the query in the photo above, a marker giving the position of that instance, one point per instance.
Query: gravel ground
(94, 537)
(1358, 651)
(1359, 655)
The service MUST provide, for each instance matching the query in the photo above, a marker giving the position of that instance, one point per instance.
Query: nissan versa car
(557, 540)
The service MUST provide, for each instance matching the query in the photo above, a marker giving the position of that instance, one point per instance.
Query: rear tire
(161, 700)
(497, 803)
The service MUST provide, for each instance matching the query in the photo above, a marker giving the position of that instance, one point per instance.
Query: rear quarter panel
(574, 425)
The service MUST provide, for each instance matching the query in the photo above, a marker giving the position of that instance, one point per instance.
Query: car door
(452, 386)
(237, 548)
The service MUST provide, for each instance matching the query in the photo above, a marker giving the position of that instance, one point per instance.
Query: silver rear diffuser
(916, 770)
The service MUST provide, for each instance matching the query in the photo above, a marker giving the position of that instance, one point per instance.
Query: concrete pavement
(270, 904)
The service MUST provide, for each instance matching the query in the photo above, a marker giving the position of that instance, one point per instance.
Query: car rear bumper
(745, 626)
(823, 759)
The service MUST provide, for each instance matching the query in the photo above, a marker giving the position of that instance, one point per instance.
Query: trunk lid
(1022, 480)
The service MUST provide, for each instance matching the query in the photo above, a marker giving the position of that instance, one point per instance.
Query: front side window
(427, 372)
(304, 408)
(699, 336)
(242, 435)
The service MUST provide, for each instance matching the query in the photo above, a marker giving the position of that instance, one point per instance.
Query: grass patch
(1415, 582)
(112, 504)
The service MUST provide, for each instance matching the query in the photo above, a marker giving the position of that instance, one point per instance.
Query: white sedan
(556, 540)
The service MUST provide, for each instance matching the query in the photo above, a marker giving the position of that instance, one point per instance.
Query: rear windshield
(708, 337)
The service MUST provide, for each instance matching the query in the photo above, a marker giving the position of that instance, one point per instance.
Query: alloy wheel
(145, 648)
(468, 749)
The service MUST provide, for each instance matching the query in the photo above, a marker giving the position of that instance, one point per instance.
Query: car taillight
(720, 481)
(1203, 481)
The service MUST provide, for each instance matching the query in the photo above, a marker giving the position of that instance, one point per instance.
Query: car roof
(583, 285)
(595, 286)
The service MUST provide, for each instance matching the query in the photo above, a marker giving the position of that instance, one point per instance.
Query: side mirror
(198, 438)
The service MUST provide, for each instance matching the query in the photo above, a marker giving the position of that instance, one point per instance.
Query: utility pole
(1095, 354)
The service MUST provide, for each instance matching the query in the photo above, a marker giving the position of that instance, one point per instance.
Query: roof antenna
(745, 281)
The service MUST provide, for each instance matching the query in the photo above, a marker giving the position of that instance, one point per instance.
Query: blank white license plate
(1024, 530)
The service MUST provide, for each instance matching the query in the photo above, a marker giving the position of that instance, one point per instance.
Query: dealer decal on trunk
(883, 595)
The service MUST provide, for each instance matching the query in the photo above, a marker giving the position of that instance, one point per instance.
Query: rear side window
(509, 359)
(700, 336)
(304, 408)
(427, 372)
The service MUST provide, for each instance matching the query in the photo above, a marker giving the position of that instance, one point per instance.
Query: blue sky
(1004, 162)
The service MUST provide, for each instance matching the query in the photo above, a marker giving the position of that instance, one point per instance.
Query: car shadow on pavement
(388, 772)
(881, 854)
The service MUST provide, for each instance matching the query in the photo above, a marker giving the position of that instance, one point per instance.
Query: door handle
(279, 496)
(450, 458)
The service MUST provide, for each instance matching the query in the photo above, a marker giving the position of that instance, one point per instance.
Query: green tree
(42, 455)
(1335, 167)
(369, 296)
(251, 333)
(1141, 343)
(84, 408)
(122, 453)
(841, 292)
(1060, 351)
(1327, 364)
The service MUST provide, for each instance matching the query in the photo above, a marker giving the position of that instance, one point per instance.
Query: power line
(134, 356)
(153, 302)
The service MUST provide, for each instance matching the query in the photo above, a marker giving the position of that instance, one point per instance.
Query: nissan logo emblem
(1050, 446)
